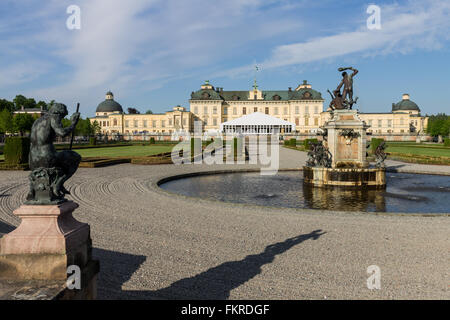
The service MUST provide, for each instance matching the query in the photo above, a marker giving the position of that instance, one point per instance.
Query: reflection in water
(404, 192)
(344, 200)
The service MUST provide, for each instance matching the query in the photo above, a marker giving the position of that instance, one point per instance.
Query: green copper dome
(405, 105)
(109, 105)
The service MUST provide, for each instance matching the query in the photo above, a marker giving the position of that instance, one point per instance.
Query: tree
(22, 123)
(149, 112)
(96, 127)
(439, 125)
(133, 111)
(5, 104)
(6, 121)
(84, 128)
(42, 104)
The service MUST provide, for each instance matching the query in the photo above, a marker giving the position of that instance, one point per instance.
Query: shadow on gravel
(215, 283)
(5, 228)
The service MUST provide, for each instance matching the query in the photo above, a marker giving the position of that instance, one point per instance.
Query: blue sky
(152, 54)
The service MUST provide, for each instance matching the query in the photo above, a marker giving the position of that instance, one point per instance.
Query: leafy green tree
(42, 104)
(22, 123)
(133, 111)
(96, 127)
(149, 112)
(439, 125)
(84, 127)
(6, 121)
(20, 101)
(5, 104)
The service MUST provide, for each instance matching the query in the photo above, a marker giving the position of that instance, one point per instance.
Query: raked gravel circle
(155, 245)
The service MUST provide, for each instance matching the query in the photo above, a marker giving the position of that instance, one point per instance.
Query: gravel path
(155, 245)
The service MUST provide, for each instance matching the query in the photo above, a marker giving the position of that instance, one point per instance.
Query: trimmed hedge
(307, 142)
(93, 141)
(374, 143)
(16, 150)
(447, 142)
(152, 140)
(291, 142)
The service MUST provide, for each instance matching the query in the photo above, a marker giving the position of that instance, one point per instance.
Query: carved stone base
(47, 241)
(348, 177)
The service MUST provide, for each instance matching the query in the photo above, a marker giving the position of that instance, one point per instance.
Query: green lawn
(424, 150)
(128, 151)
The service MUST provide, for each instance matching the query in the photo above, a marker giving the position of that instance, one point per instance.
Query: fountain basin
(345, 177)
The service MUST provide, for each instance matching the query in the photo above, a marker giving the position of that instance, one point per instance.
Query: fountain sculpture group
(341, 158)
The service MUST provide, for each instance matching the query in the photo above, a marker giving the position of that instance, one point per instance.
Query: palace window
(196, 110)
(306, 110)
(297, 121)
(316, 121)
(316, 109)
(255, 109)
(127, 123)
(379, 123)
(389, 123)
(184, 122)
(306, 121)
(244, 110)
(154, 123)
(297, 109)
(267, 110)
(145, 123)
(285, 110)
(225, 110)
(115, 122)
(234, 110)
(163, 123)
(135, 123)
(370, 122)
(214, 110)
(275, 110)
(215, 122)
(205, 110)
(170, 122)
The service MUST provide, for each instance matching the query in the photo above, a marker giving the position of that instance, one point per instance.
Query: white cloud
(404, 29)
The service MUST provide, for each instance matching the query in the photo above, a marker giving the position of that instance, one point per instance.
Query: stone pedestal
(347, 151)
(346, 142)
(48, 240)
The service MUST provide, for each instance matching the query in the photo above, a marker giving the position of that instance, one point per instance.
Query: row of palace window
(154, 123)
(255, 109)
(307, 121)
(379, 122)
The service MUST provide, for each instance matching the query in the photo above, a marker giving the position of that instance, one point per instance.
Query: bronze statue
(380, 155)
(319, 155)
(50, 169)
(339, 100)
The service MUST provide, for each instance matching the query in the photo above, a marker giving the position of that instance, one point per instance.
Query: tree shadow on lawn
(216, 283)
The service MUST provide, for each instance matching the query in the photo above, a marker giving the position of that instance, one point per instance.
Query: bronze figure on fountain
(344, 100)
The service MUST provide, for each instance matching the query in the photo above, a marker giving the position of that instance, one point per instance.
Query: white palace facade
(300, 109)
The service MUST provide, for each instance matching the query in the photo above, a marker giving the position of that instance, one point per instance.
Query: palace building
(112, 120)
(296, 111)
